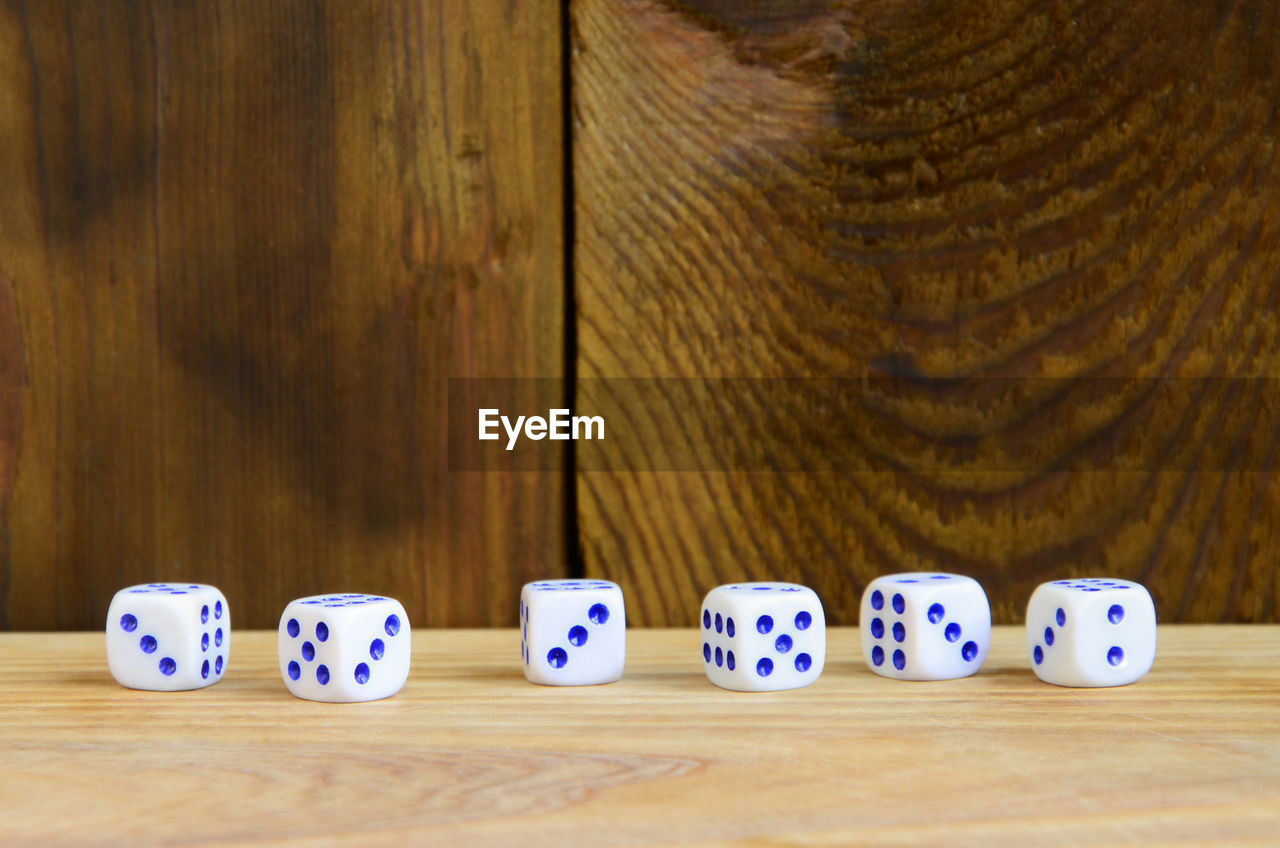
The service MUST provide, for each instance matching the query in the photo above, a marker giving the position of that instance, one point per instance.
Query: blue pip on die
(925, 625)
(168, 636)
(344, 648)
(763, 637)
(572, 632)
(1091, 632)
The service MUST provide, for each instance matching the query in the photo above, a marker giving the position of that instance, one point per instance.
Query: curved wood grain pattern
(419, 789)
(1070, 210)
(250, 244)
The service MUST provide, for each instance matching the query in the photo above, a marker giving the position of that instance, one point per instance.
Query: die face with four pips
(925, 626)
(1091, 632)
(762, 637)
(572, 632)
(168, 636)
(344, 648)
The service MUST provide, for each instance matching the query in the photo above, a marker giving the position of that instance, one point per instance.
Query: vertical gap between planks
(573, 550)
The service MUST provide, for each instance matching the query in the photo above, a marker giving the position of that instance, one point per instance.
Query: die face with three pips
(344, 648)
(1091, 632)
(925, 626)
(572, 632)
(762, 637)
(168, 637)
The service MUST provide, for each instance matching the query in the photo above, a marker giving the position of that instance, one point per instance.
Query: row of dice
(754, 636)
(917, 626)
(340, 648)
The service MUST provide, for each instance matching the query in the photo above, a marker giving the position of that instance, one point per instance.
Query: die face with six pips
(762, 637)
(572, 632)
(168, 636)
(1091, 632)
(344, 648)
(925, 626)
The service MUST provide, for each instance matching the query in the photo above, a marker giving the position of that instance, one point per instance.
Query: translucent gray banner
(962, 425)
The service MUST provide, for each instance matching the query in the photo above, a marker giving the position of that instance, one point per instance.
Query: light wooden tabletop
(469, 753)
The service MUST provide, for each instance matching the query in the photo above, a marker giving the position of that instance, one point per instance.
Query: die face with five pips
(762, 637)
(1091, 632)
(572, 632)
(925, 626)
(344, 648)
(168, 636)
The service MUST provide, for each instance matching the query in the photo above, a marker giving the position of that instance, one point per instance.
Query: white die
(344, 648)
(763, 637)
(925, 626)
(1091, 632)
(168, 636)
(572, 632)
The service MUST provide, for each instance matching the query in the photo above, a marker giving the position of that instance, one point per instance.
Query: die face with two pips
(168, 636)
(763, 637)
(572, 632)
(925, 626)
(344, 648)
(1091, 632)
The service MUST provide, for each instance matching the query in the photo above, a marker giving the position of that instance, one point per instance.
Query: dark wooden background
(244, 246)
(1067, 196)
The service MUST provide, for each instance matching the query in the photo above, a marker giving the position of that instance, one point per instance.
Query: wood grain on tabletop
(471, 753)
(1073, 197)
(243, 248)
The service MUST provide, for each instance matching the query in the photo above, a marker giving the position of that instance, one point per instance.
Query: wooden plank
(247, 245)
(469, 753)
(12, 379)
(1025, 235)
